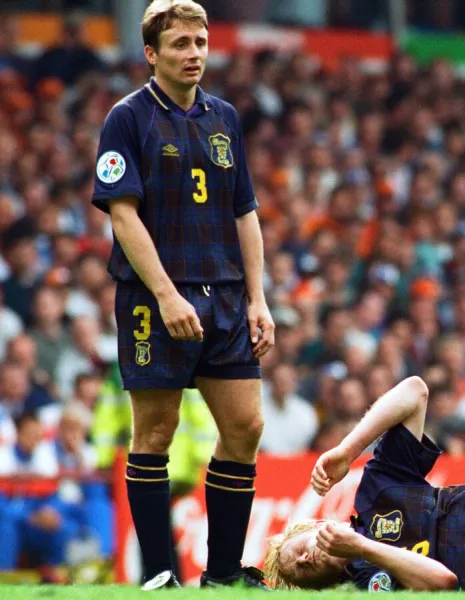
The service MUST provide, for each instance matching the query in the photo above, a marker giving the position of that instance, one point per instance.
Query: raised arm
(405, 403)
(413, 571)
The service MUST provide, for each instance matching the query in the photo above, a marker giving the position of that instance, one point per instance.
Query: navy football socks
(149, 499)
(229, 489)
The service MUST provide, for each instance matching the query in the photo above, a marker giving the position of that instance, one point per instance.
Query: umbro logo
(171, 150)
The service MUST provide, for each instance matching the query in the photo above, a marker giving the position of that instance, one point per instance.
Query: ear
(151, 55)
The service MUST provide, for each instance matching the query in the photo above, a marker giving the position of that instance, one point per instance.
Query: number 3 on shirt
(201, 195)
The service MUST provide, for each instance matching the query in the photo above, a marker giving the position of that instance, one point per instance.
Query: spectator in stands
(70, 60)
(330, 432)
(378, 381)
(21, 257)
(10, 325)
(443, 405)
(351, 400)
(291, 422)
(80, 488)
(80, 356)
(329, 346)
(22, 350)
(98, 235)
(29, 455)
(91, 274)
(17, 393)
(288, 323)
(451, 353)
(86, 390)
(368, 318)
(357, 358)
(34, 522)
(75, 456)
(49, 332)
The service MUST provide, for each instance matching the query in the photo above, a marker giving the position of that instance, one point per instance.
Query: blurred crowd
(361, 182)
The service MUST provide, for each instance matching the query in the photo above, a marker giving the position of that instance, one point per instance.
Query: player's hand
(180, 318)
(330, 468)
(337, 539)
(259, 316)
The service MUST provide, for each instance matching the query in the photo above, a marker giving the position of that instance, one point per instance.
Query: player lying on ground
(407, 534)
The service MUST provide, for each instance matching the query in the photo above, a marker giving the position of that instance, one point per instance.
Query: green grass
(119, 592)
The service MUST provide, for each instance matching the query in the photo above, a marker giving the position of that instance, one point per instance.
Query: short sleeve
(370, 578)
(244, 197)
(119, 159)
(399, 460)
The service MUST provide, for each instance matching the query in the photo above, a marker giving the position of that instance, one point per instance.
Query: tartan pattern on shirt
(418, 507)
(196, 242)
(436, 515)
(226, 351)
(450, 546)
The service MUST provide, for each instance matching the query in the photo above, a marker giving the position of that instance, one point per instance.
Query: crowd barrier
(283, 494)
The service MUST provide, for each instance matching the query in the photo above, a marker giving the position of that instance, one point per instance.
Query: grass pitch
(120, 592)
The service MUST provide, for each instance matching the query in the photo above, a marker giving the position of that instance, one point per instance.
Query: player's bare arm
(414, 571)
(405, 403)
(258, 314)
(178, 315)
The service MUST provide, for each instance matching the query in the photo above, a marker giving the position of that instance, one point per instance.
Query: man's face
(182, 54)
(305, 565)
(72, 433)
(29, 435)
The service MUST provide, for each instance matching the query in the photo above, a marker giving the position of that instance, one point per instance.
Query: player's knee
(156, 439)
(255, 430)
(242, 439)
(419, 388)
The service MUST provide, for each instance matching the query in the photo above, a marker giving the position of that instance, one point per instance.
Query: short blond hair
(162, 14)
(272, 566)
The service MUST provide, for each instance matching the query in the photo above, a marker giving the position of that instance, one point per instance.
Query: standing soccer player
(188, 259)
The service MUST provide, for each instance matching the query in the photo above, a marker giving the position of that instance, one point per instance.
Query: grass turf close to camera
(120, 592)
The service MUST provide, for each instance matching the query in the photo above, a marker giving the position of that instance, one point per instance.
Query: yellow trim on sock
(147, 480)
(228, 489)
(230, 476)
(146, 468)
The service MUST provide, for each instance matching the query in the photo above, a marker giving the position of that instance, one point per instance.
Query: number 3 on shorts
(143, 333)
(201, 195)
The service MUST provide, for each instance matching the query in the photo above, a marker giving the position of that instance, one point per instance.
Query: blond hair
(272, 566)
(162, 14)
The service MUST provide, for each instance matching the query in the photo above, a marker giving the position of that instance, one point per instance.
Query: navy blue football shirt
(396, 505)
(189, 171)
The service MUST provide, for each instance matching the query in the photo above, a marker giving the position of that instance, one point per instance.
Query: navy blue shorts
(149, 358)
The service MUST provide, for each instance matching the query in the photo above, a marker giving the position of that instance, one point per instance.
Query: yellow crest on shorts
(220, 150)
(143, 353)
